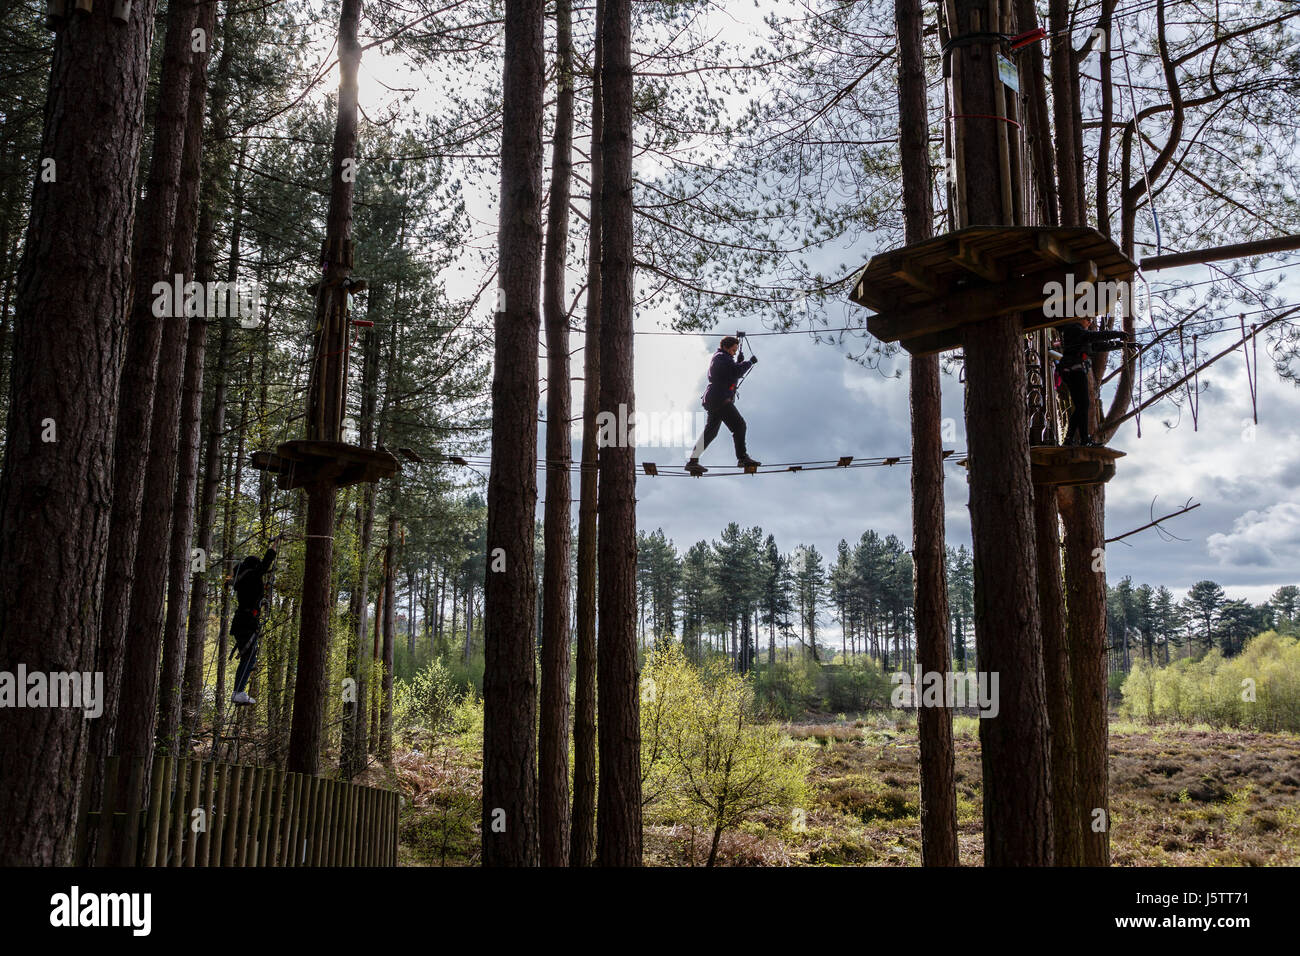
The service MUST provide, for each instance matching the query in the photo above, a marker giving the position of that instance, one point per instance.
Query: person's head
(247, 564)
(730, 344)
(1086, 322)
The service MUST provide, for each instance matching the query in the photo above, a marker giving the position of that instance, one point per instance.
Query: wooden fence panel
(250, 816)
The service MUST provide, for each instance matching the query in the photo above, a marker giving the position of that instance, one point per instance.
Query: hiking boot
(243, 699)
(747, 462)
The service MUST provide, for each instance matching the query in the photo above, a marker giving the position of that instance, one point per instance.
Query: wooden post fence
(200, 813)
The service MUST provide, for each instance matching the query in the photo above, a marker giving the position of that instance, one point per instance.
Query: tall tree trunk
(138, 711)
(618, 814)
(553, 735)
(198, 618)
(1067, 815)
(1082, 511)
(354, 748)
(317, 611)
(74, 289)
(229, 560)
(582, 844)
(509, 678)
(410, 612)
(938, 788)
(1014, 745)
(376, 665)
(385, 749)
(192, 248)
(151, 262)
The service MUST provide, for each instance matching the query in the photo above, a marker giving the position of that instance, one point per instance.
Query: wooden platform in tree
(1073, 465)
(925, 292)
(303, 462)
(1062, 465)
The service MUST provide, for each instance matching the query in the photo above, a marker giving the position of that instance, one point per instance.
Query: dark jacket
(249, 584)
(724, 374)
(249, 581)
(1077, 342)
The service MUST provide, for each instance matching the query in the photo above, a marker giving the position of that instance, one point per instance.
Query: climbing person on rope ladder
(725, 374)
(1078, 343)
(245, 628)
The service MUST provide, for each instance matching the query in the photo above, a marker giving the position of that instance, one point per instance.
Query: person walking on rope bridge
(245, 629)
(1078, 343)
(719, 401)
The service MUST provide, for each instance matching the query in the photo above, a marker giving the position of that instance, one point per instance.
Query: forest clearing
(1182, 796)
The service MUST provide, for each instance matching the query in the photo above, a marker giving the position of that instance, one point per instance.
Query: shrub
(704, 758)
(1259, 688)
(787, 690)
(426, 701)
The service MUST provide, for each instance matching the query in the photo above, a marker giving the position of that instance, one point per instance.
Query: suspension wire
(1252, 370)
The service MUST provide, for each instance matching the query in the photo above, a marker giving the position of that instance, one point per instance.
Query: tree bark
(1014, 746)
(318, 562)
(1082, 511)
(74, 289)
(618, 815)
(385, 750)
(1067, 816)
(553, 736)
(509, 678)
(151, 261)
(583, 832)
(938, 787)
(353, 749)
(193, 247)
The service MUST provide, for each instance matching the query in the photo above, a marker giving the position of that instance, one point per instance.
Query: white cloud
(1269, 538)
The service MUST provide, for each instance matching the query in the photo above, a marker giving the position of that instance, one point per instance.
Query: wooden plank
(367, 823)
(265, 808)
(908, 272)
(354, 817)
(176, 816)
(1080, 473)
(204, 841)
(249, 820)
(965, 307)
(338, 857)
(157, 780)
(294, 847)
(1070, 454)
(283, 825)
(311, 825)
(393, 829)
(969, 257)
(298, 847)
(898, 279)
(217, 812)
(134, 808)
(1056, 249)
(230, 838)
(195, 800)
(328, 821)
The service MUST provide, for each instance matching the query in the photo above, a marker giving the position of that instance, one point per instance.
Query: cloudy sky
(807, 401)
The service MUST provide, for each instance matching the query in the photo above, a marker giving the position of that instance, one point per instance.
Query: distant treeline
(1146, 624)
(741, 595)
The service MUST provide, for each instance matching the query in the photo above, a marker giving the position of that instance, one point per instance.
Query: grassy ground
(1191, 796)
